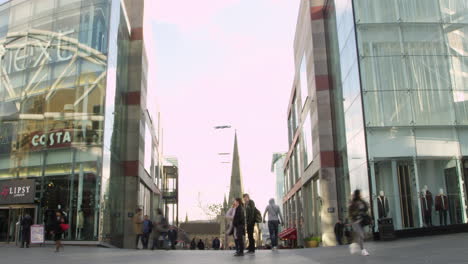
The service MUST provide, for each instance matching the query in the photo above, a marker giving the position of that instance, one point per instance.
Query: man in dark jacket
(216, 244)
(239, 227)
(26, 224)
(339, 231)
(201, 245)
(172, 235)
(250, 214)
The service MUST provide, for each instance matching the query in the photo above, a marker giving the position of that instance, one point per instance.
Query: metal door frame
(15, 207)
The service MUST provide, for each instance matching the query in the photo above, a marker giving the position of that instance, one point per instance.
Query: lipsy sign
(17, 192)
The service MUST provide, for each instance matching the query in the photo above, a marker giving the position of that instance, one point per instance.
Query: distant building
(170, 190)
(277, 167)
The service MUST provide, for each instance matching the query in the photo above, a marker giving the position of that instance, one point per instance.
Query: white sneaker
(354, 248)
(364, 252)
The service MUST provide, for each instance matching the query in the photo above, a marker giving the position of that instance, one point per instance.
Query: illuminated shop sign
(17, 192)
(53, 139)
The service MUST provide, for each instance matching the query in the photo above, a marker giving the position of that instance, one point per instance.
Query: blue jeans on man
(273, 228)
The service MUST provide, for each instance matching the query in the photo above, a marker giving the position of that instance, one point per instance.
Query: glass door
(4, 217)
(10, 222)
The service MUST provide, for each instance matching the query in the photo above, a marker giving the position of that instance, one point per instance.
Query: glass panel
(457, 38)
(375, 40)
(304, 81)
(433, 107)
(354, 119)
(440, 192)
(460, 72)
(461, 106)
(419, 10)
(454, 11)
(436, 141)
(391, 142)
(383, 73)
(428, 72)
(388, 108)
(307, 139)
(368, 11)
(423, 39)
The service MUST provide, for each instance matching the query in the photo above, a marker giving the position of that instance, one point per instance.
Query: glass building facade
(400, 72)
(63, 116)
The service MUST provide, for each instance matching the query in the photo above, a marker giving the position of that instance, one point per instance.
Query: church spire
(236, 188)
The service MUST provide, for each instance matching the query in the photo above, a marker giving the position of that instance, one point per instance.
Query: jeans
(250, 233)
(25, 237)
(240, 245)
(273, 229)
(145, 240)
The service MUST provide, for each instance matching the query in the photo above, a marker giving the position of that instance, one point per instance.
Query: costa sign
(17, 192)
(53, 139)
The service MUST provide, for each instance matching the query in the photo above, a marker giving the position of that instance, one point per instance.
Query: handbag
(64, 227)
(366, 220)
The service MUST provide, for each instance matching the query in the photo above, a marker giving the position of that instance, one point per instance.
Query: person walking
(138, 227)
(201, 245)
(57, 228)
(239, 227)
(359, 217)
(229, 224)
(216, 245)
(193, 244)
(161, 228)
(172, 235)
(147, 229)
(26, 224)
(339, 232)
(275, 218)
(251, 218)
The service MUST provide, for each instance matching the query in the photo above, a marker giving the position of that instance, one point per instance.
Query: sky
(222, 62)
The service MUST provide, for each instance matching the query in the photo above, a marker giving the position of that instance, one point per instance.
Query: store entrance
(10, 218)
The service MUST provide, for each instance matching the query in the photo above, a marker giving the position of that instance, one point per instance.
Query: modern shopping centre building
(78, 132)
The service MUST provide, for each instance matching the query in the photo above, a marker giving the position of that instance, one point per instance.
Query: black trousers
(145, 240)
(427, 217)
(240, 244)
(443, 217)
(250, 234)
(25, 237)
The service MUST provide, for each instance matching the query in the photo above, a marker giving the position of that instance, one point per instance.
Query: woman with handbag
(58, 227)
(359, 217)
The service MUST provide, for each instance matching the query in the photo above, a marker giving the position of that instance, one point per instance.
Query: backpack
(258, 216)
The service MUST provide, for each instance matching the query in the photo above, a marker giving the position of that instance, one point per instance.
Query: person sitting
(201, 245)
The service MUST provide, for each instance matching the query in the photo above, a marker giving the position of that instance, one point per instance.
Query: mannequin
(382, 203)
(426, 204)
(441, 206)
(79, 224)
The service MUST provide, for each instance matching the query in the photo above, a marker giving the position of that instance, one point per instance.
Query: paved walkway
(449, 249)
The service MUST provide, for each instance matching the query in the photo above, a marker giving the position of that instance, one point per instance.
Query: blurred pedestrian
(339, 232)
(58, 226)
(239, 227)
(359, 217)
(147, 229)
(274, 220)
(138, 226)
(229, 225)
(161, 226)
(216, 245)
(251, 218)
(172, 235)
(26, 224)
(201, 245)
(193, 244)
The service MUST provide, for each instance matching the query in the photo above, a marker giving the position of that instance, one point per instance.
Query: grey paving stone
(446, 249)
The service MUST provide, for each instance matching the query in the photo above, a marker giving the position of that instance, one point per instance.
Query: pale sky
(223, 62)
